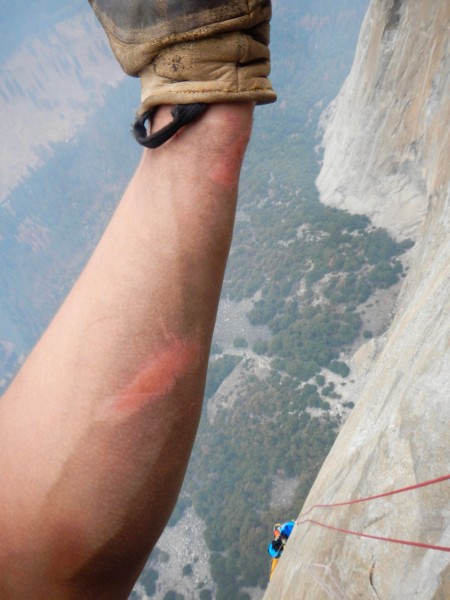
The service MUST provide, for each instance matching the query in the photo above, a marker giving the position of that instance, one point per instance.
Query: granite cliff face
(386, 134)
(387, 154)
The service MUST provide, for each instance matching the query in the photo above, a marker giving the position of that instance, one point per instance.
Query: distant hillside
(61, 96)
(23, 19)
(50, 83)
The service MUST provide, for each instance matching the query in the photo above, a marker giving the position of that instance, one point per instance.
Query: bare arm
(97, 428)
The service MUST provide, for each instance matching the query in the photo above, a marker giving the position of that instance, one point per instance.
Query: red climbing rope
(301, 520)
(377, 537)
(383, 495)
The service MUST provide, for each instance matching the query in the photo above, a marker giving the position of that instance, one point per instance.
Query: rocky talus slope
(387, 154)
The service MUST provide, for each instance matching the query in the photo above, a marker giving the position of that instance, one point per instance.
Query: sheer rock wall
(387, 155)
(386, 136)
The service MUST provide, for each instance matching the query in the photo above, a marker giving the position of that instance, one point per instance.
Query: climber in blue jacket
(281, 535)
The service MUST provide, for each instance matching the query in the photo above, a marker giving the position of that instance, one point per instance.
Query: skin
(97, 428)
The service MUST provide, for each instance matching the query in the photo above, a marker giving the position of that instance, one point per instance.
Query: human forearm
(112, 393)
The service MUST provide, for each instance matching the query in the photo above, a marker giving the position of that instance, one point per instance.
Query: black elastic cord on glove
(182, 114)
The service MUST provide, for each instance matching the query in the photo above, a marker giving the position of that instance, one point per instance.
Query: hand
(189, 55)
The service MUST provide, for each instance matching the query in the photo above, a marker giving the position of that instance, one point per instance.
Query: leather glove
(189, 53)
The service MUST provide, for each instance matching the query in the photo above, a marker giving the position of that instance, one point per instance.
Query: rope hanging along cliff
(302, 521)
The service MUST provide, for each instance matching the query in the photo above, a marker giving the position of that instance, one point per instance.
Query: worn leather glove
(189, 53)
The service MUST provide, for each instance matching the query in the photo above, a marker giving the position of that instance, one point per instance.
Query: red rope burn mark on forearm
(159, 375)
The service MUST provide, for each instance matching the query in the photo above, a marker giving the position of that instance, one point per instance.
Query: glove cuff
(230, 67)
